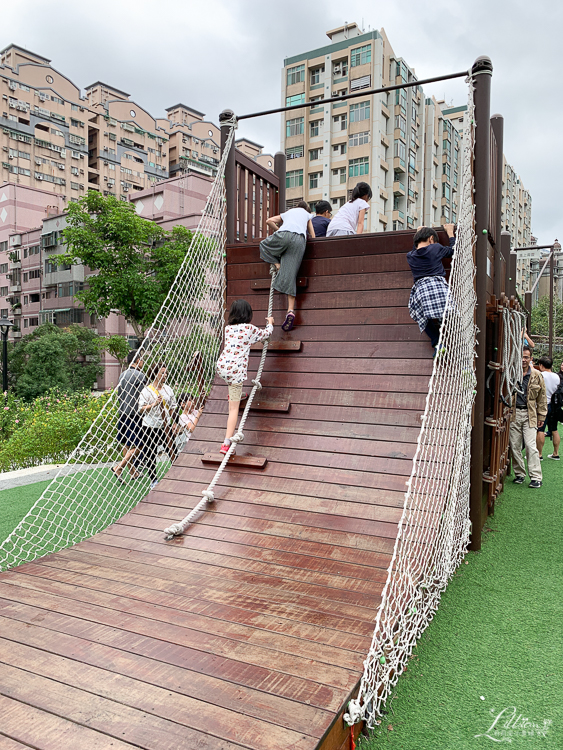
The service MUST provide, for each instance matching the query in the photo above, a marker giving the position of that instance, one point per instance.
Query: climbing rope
(512, 374)
(208, 495)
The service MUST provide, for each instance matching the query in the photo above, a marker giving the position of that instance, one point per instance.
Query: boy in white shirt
(551, 384)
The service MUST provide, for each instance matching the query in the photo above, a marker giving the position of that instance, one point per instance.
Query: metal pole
(5, 359)
(279, 171)
(505, 250)
(230, 174)
(497, 125)
(481, 71)
(551, 279)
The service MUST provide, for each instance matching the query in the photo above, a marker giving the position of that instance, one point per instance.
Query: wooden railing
(254, 196)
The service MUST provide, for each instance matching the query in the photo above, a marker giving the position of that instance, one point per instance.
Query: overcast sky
(228, 53)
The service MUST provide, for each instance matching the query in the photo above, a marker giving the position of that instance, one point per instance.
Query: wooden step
(265, 404)
(259, 284)
(278, 346)
(256, 462)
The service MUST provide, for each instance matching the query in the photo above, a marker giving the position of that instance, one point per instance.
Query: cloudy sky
(228, 53)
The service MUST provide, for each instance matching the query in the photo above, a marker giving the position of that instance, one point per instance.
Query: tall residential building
(516, 207)
(56, 144)
(378, 139)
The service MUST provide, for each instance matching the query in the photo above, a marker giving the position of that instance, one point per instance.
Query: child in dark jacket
(427, 302)
(322, 219)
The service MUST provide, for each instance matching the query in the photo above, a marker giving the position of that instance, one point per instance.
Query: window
(398, 225)
(401, 124)
(339, 201)
(339, 149)
(315, 128)
(294, 178)
(447, 146)
(314, 180)
(25, 299)
(295, 99)
(360, 83)
(360, 55)
(340, 68)
(3, 291)
(51, 266)
(35, 274)
(359, 112)
(340, 122)
(69, 288)
(401, 99)
(33, 322)
(4, 246)
(294, 127)
(3, 268)
(412, 162)
(400, 150)
(358, 167)
(446, 213)
(295, 153)
(446, 169)
(316, 75)
(446, 190)
(25, 323)
(339, 176)
(34, 297)
(413, 138)
(358, 139)
(295, 74)
(315, 153)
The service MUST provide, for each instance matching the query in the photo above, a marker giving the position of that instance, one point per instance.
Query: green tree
(134, 260)
(118, 347)
(75, 355)
(540, 318)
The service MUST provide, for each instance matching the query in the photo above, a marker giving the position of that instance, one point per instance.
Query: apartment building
(57, 143)
(379, 139)
(516, 207)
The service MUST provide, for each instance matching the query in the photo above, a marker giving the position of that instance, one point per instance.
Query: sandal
(287, 325)
(116, 475)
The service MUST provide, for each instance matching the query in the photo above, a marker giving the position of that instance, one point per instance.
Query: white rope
(434, 529)
(186, 337)
(208, 496)
(514, 323)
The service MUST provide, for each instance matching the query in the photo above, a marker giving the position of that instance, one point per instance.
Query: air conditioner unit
(38, 161)
(10, 157)
(4, 148)
(105, 178)
(39, 177)
(125, 189)
(12, 85)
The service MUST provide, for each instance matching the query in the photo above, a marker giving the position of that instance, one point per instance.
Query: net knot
(257, 383)
(174, 530)
(237, 438)
(208, 495)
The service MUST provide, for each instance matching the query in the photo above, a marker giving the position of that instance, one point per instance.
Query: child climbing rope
(285, 249)
(350, 217)
(427, 302)
(232, 365)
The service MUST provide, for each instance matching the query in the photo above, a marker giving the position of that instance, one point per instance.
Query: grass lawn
(15, 503)
(496, 641)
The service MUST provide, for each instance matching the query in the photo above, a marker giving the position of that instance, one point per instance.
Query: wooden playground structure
(250, 631)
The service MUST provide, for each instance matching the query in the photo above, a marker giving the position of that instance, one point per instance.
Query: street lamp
(5, 326)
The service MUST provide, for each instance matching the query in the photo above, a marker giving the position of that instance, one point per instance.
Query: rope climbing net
(86, 496)
(434, 529)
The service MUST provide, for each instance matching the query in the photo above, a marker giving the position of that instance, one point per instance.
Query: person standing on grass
(285, 249)
(350, 217)
(529, 413)
(129, 428)
(429, 294)
(552, 385)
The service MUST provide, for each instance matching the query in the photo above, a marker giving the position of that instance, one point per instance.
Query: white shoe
(554, 457)
(153, 484)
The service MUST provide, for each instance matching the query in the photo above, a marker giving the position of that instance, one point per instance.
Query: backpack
(557, 403)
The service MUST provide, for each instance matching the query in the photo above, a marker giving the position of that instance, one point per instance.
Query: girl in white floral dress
(232, 365)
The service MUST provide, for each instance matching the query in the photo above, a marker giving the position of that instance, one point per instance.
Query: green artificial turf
(496, 641)
(15, 503)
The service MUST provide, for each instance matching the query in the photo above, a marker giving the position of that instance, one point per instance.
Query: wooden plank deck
(251, 630)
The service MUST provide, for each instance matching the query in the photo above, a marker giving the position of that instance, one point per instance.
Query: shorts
(235, 391)
(129, 431)
(549, 424)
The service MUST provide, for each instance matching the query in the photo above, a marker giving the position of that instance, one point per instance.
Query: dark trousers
(432, 330)
(152, 438)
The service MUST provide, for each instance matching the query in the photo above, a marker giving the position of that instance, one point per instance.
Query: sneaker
(535, 484)
(225, 447)
(153, 484)
(554, 457)
(541, 458)
(518, 480)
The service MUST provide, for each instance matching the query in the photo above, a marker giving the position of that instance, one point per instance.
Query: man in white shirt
(551, 384)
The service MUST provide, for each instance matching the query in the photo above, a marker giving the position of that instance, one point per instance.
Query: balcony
(399, 164)
(17, 334)
(398, 188)
(385, 111)
(383, 194)
(13, 264)
(398, 215)
(384, 165)
(383, 218)
(384, 140)
(15, 288)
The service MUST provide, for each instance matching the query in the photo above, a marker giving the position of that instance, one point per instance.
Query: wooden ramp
(250, 631)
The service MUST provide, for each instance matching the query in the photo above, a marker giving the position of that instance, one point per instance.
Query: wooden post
(279, 171)
(497, 125)
(513, 259)
(551, 280)
(230, 175)
(505, 238)
(482, 71)
(528, 303)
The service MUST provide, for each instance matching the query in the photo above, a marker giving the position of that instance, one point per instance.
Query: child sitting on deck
(285, 249)
(427, 302)
(232, 365)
